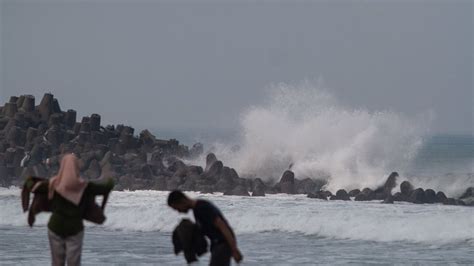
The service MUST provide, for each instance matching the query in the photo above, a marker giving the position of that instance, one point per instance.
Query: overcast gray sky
(199, 64)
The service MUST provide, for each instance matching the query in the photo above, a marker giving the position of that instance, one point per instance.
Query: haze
(185, 65)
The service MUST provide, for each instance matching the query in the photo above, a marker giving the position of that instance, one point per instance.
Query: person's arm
(102, 188)
(229, 237)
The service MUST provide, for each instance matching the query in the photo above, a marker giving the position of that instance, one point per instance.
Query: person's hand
(237, 255)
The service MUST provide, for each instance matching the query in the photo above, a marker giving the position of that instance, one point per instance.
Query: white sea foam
(372, 221)
(305, 126)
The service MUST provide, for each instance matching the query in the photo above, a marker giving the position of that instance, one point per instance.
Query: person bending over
(213, 225)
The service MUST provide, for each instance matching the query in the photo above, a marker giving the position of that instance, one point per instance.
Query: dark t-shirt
(205, 213)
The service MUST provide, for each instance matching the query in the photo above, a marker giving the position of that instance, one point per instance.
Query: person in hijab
(67, 192)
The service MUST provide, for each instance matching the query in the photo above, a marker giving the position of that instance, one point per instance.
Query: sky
(200, 64)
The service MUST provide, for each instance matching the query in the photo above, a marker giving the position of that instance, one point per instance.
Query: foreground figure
(68, 194)
(213, 225)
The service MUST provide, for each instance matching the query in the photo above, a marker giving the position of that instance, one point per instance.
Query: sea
(318, 138)
(278, 229)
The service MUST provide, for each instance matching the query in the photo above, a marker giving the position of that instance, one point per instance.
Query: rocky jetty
(407, 194)
(32, 138)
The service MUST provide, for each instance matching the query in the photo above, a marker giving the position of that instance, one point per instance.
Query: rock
(430, 196)
(417, 196)
(160, 183)
(55, 120)
(258, 188)
(146, 172)
(205, 189)
(366, 195)
(385, 191)
(388, 200)
(175, 164)
(308, 185)
(46, 106)
(189, 183)
(450, 201)
(174, 182)
(399, 197)
(215, 170)
(468, 193)
(341, 194)
(391, 183)
(224, 185)
(94, 170)
(56, 107)
(195, 170)
(85, 127)
(287, 182)
(319, 195)
(196, 150)
(70, 118)
(95, 122)
(441, 197)
(10, 109)
(354, 193)
(28, 105)
(210, 160)
(406, 188)
(237, 191)
(468, 201)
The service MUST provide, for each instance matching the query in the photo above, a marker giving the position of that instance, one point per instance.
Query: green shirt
(66, 218)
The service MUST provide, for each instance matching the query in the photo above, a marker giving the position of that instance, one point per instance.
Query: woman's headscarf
(68, 183)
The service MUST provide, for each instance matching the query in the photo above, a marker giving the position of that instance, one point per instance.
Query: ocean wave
(306, 126)
(370, 221)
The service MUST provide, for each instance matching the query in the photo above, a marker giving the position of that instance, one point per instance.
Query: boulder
(189, 183)
(46, 107)
(10, 110)
(391, 183)
(174, 164)
(441, 197)
(308, 185)
(210, 160)
(287, 182)
(417, 196)
(388, 200)
(366, 195)
(215, 169)
(468, 193)
(70, 118)
(399, 197)
(95, 122)
(237, 191)
(28, 105)
(94, 170)
(450, 201)
(196, 150)
(205, 189)
(174, 182)
(224, 185)
(354, 193)
(258, 188)
(468, 201)
(341, 194)
(406, 188)
(318, 195)
(430, 196)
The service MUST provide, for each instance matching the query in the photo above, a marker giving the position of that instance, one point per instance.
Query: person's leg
(220, 255)
(58, 249)
(74, 249)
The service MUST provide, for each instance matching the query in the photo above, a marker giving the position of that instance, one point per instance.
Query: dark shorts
(220, 255)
